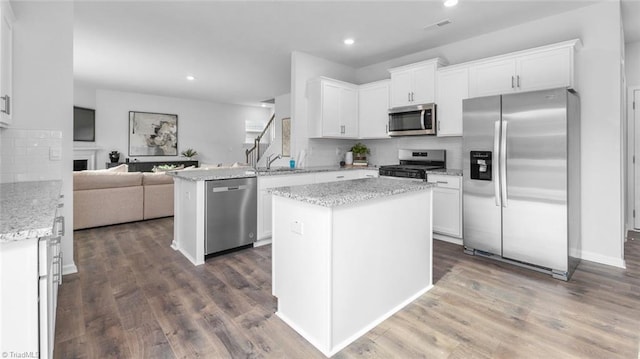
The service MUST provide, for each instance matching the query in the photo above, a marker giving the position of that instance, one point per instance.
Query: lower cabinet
(266, 182)
(447, 205)
(30, 269)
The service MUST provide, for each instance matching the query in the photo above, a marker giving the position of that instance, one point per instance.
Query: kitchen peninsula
(347, 255)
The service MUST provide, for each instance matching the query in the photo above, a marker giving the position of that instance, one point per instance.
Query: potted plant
(189, 153)
(360, 151)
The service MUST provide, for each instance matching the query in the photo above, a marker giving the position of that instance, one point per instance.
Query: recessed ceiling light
(349, 41)
(264, 105)
(450, 3)
(191, 78)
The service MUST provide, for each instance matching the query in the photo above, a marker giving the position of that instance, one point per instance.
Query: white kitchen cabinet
(30, 269)
(373, 109)
(534, 69)
(6, 63)
(452, 87)
(266, 182)
(264, 197)
(333, 176)
(332, 108)
(414, 84)
(447, 205)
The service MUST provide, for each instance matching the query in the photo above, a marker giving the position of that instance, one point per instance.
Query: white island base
(340, 271)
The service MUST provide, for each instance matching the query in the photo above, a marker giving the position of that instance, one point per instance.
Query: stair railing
(253, 154)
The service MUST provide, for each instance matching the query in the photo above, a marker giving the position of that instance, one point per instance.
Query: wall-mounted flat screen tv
(84, 124)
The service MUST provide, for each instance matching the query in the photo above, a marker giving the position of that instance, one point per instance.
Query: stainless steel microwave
(413, 120)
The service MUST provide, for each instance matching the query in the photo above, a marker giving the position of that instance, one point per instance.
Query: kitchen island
(347, 255)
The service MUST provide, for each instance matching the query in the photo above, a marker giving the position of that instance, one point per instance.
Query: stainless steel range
(414, 164)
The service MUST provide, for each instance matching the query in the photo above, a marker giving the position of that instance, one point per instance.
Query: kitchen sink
(277, 169)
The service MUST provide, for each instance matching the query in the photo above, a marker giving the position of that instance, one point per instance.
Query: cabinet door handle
(513, 85)
(412, 99)
(7, 104)
(408, 96)
(339, 176)
(438, 125)
(442, 182)
(386, 128)
(518, 81)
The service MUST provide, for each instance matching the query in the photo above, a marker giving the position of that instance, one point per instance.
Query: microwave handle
(422, 118)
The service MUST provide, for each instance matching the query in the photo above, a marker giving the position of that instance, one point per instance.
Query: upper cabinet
(373, 109)
(414, 84)
(535, 69)
(332, 108)
(452, 88)
(6, 63)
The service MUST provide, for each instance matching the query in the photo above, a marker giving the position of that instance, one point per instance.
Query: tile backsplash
(30, 155)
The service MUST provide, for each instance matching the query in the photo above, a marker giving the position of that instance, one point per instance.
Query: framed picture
(153, 134)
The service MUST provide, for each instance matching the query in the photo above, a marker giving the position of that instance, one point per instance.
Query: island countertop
(333, 194)
(214, 174)
(27, 209)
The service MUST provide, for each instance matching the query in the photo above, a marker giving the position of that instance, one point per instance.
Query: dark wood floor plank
(135, 297)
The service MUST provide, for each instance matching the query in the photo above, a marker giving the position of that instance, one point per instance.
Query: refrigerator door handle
(503, 163)
(496, 166)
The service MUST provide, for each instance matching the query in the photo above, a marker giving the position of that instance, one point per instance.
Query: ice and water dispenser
(481, 165)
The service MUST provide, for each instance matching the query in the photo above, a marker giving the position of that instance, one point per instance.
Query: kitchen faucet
(270, 160)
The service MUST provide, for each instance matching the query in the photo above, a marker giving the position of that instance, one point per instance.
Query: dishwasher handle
(226, 189)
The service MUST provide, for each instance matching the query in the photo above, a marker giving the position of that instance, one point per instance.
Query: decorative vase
(114, 156)
(348, 158)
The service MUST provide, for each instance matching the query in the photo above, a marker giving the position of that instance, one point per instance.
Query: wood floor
(134, 297)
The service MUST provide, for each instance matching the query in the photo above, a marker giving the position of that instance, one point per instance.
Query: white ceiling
(240, 51)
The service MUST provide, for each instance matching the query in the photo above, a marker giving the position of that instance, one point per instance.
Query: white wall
(216, 131)
(43, 88)
(84, 95)
(282, 110)
(598, 81)
(303, 68)
(632, 62)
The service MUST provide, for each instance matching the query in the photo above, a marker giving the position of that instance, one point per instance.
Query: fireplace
(80, 165)
(84, 157)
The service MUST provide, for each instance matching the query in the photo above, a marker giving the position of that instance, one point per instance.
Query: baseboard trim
(444, 238)
(262, 242)
(69, 269)
(599, 258)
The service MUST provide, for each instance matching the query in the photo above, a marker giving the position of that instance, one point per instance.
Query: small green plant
(190, 152)
(360, 149)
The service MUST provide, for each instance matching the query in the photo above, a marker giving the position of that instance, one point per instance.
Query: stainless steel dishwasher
(231, 212)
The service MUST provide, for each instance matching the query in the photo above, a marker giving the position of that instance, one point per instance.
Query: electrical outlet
(297, 227)
(55, 153)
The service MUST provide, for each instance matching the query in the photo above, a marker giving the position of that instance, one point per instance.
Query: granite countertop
(447, 172)
(278, 171)
(333, 194)
(213, 174)
(28, 209)
(241, 172)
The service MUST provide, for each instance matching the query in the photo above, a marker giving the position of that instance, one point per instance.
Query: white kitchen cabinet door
(331, 98)
(6, 64)
(333, 176)
(492, 78)
(452, 88)
(401, 88)
(369, 173)
(446, 209)
(373, 110)
(447, 205)
(424, 88)
(545, 70)
(265, 198)
(414, 84)
(332, 109)
(349, 112)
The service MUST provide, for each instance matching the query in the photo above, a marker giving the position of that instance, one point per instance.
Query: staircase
(254, 153)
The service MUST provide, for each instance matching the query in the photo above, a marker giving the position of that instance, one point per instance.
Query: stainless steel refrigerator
(521, 171)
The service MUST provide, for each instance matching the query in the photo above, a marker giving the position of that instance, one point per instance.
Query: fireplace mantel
(86, 153)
